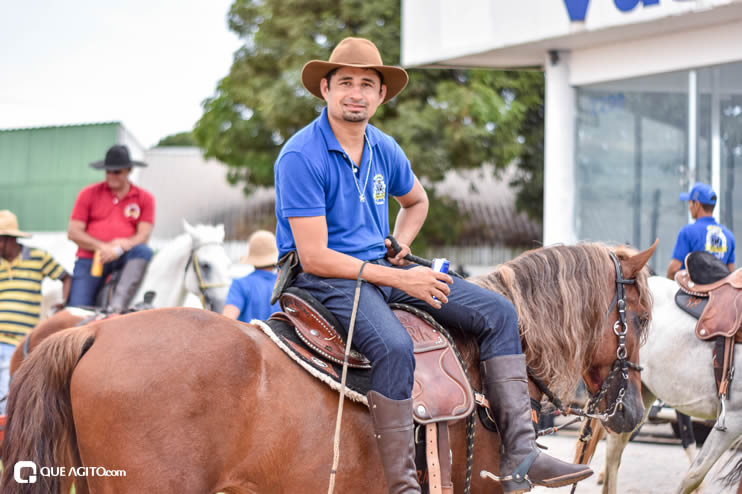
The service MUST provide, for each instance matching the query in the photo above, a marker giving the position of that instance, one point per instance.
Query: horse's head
(207, 271)
(566, 301)
(613, 372)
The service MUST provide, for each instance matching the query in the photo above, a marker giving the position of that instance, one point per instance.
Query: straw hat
(263, 251)
(354, 52)
(9, 225)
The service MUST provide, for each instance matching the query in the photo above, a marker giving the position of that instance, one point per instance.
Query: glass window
(730, 115)
(631, 162)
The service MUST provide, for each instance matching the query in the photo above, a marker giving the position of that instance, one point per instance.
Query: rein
(203, 287)
(339, 418)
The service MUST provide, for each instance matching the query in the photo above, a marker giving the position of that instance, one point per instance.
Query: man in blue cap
(705, 234)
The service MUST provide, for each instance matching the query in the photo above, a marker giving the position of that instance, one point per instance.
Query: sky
(148, 64)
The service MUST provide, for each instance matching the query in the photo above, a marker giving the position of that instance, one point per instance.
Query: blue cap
(700, 192)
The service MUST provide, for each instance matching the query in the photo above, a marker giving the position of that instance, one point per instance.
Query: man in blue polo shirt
(334, 179)
(249, 297)
(704, 234)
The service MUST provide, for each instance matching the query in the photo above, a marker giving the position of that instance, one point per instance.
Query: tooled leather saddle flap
(722, 314)
(318, 328)
(441, 390)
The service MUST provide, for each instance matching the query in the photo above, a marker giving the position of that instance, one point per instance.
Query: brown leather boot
(522, 464)
(394, 433)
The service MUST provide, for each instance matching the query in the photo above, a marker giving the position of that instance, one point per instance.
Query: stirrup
(721, 419)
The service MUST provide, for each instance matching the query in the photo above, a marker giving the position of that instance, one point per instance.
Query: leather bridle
(621, 365)
(203, 287)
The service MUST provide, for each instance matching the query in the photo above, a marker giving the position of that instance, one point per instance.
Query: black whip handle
(417, 260)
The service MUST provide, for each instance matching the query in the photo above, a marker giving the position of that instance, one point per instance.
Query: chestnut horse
(188, 401)
(172, 275)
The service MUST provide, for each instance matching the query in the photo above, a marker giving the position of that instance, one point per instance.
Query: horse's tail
(40, 427)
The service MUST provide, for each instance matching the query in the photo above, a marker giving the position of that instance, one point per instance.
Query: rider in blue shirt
(334, 180)
(249, 296)
(705, 234)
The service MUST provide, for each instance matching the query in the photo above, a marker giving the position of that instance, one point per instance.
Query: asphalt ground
(653, 463)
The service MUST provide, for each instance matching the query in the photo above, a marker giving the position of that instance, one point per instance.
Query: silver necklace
(361, 192)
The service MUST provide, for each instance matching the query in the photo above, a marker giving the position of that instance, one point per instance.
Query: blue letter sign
(577, 9)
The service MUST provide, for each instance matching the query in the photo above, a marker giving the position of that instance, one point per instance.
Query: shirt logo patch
(716, 241)
(132, 211)
(379, 189)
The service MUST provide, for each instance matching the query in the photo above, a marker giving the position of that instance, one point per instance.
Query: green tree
(445, 119)
(179, 139)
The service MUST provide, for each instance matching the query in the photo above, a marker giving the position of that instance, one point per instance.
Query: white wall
(186, 186)
(714, 45)
(508, 33)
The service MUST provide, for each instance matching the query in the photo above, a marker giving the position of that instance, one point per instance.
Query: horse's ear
(635, 263)
(188, 228)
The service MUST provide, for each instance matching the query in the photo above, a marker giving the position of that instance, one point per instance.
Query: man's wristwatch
(119, 250)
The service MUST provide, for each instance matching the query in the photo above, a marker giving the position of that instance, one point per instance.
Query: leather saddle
(441, 390)
(714, 296)
(711, 294)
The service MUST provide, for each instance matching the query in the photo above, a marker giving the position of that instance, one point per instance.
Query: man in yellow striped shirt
(22, 270)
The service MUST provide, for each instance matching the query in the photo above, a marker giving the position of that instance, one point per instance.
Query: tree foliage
(445, 119)
(179, 139)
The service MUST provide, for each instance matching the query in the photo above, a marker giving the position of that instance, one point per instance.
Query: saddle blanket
(358, 381)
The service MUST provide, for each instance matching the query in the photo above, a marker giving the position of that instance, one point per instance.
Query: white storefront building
(643, 98)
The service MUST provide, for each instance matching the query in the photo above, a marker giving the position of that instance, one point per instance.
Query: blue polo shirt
(251, 294)
(314, 177)
(705, 234)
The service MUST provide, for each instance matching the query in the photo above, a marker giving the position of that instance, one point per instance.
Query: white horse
(194, 262)
(678, 369)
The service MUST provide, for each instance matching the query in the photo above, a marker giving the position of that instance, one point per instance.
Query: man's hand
(125, 243)
(424, 284)
(109, 252)
(394, 258)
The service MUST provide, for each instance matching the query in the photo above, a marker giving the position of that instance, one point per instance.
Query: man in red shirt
(115, 218)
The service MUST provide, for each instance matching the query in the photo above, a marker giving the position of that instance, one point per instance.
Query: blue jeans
(379, 335)
(85, 287)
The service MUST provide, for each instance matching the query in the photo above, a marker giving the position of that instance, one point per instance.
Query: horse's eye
(643, 321)
(205, 267)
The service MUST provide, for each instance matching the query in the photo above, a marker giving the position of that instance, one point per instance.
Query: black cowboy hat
(117, 158)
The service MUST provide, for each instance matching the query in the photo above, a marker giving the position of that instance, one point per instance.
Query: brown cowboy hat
(354, 52)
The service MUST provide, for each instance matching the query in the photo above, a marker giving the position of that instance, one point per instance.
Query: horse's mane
(562, 299)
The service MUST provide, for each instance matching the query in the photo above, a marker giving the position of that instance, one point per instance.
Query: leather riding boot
(128, 284)
(394, 433)
(505, 384)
